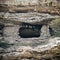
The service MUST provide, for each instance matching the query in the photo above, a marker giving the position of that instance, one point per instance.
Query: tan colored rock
(26, 55)
(51, 54)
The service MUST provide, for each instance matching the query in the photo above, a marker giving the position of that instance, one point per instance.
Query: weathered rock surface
(51, 54)
(31, 17)
(11, 30)
(29, 48)
(49, 51)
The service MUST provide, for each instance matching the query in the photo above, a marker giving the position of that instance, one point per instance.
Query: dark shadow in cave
(51, 31)
(28, 30)
(1, 29)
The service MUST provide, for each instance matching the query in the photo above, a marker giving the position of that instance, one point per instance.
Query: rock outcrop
(32, 24)
(52, 54)
(43, 6)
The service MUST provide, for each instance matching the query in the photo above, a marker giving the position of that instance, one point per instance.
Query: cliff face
(48, 6)
(28, 54)
(39, 25)
(30, 2)
(2, 1)
(19, 2)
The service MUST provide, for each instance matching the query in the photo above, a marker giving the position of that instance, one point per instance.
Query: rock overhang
(32, 17)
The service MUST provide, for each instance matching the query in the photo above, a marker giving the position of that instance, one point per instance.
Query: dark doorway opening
(28, 30)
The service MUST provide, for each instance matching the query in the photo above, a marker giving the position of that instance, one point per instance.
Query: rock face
(31, 24)
(21, 6)
(40, 48)
(52, 54)
(45, 31)
(29, 2)
(19, 2)
(27, 25)
(11, 33)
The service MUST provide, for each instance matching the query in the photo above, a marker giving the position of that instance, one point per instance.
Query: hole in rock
(28, 30)
(1, 29)
(51, 31)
